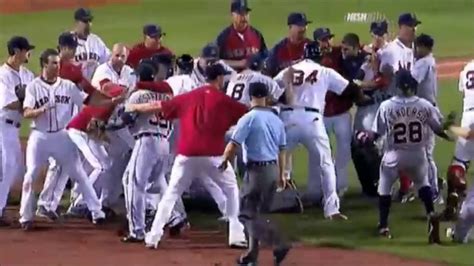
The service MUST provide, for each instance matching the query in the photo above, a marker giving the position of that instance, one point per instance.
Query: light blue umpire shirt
(261, 134)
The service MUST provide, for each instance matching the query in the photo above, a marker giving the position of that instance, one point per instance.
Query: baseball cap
(239, 6)
(298, 19)
(215, 70)
(322, 33)
(258, 90)
(408, 19)
(153, 31)
(145, 70)
(19, 42)
(67, 39)
(379, 28)
(210, 51)
(83, 14)
(255, 62)
(424, 40)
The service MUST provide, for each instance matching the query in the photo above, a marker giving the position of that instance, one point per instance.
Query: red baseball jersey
(335, 104)
(82, 119)
(139, 52)
(285, 53)
(234, 45)
(205, 115)
(68, 70)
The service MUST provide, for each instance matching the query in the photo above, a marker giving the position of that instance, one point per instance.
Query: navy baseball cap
(322, 33)
(215, 70)
(408, 19)
(83, 14)
(239, 6)
(298, 19)
(379, 28)
(424, 40)
(145, 71)
(258, 90)
(210, 51)
(67, 39)
(19, 42)
(153, 31)
(255, 62)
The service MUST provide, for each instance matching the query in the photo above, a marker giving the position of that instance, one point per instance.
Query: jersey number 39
(407, 133)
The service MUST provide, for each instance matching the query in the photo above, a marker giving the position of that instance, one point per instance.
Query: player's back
(425, 73)
(238, 87)
(181, 84)
(406, 122)
(148, 122)
(311, 81)
(11, 81)
(466, 85)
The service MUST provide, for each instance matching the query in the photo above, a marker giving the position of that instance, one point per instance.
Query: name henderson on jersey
(407, 112)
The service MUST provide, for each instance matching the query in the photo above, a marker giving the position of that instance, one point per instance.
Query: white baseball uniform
(396, 55)
(11, 157)
(304, 124)
(407, 123)
(49, 138)
(199, 75)
(90, 53)
(424, 71)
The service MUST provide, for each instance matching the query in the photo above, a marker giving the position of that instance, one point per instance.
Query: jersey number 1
(404, 133)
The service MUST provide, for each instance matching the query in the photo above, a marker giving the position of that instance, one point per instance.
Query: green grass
(191, 23)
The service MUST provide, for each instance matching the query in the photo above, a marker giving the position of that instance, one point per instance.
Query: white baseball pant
(463, 227)
(58, 145)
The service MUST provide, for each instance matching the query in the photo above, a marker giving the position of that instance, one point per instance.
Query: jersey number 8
(237, 91)
(404, 133)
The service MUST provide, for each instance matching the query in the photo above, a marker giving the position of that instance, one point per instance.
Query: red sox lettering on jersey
(234, 45)
(90, 53)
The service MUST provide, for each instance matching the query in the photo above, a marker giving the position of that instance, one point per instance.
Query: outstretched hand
(450, 120)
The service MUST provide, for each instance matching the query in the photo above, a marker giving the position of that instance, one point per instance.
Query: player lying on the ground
(406, 121)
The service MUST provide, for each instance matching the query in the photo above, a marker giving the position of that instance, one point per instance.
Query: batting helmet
(405, 81)
(255, 62)
(312, 51)
(185, 63)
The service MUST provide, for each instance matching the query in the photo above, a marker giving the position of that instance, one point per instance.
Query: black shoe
(4, 222)
(246, 260)
(50, 215)
(452, 202)
(433, 229)
(109, 213)
(26, 226)
(99, 221)
(280, 254)
(385, 232)
(177, 229)
(132, 239)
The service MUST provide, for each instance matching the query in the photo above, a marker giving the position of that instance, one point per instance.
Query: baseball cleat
(132, 239)
(385, 233)
(152, 246)
(450, 233)
(44, 213)
(26, 226)
(177, 229)
(4, 222)
(99, 221)
(450, 212)
(338, 216)
(238, 245)
(433, 229)
(280, 254)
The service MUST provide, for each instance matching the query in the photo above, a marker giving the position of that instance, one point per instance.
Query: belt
(261, 163)
(148, 134)
(307, 109)
(13, 123)
(469, 109)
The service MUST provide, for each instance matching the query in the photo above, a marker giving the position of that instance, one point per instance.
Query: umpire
(262, 136)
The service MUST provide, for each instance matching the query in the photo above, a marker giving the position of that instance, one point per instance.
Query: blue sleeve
(282, 136)
(221, 42)
(272, 61)
(263, 45)
(242, 129)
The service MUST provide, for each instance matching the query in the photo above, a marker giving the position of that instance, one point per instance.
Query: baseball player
(291, 48)
(464, 150)
(209, 55)
(461, 231)
(205, 115)
(91, 51)
(48, 102)
(406, 120)
(149, 159)
(13, 79)
(240, 41)
(261, 134)
(304, 123)
(151, 45)
(424, 72)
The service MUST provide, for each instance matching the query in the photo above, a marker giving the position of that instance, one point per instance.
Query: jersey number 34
(298, 77)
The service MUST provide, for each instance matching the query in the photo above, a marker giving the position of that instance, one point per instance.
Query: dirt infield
(78, 243)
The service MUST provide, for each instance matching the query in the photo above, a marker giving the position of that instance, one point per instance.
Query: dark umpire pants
(258, 188)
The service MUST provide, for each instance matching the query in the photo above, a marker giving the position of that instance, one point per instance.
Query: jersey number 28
(407, 133)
